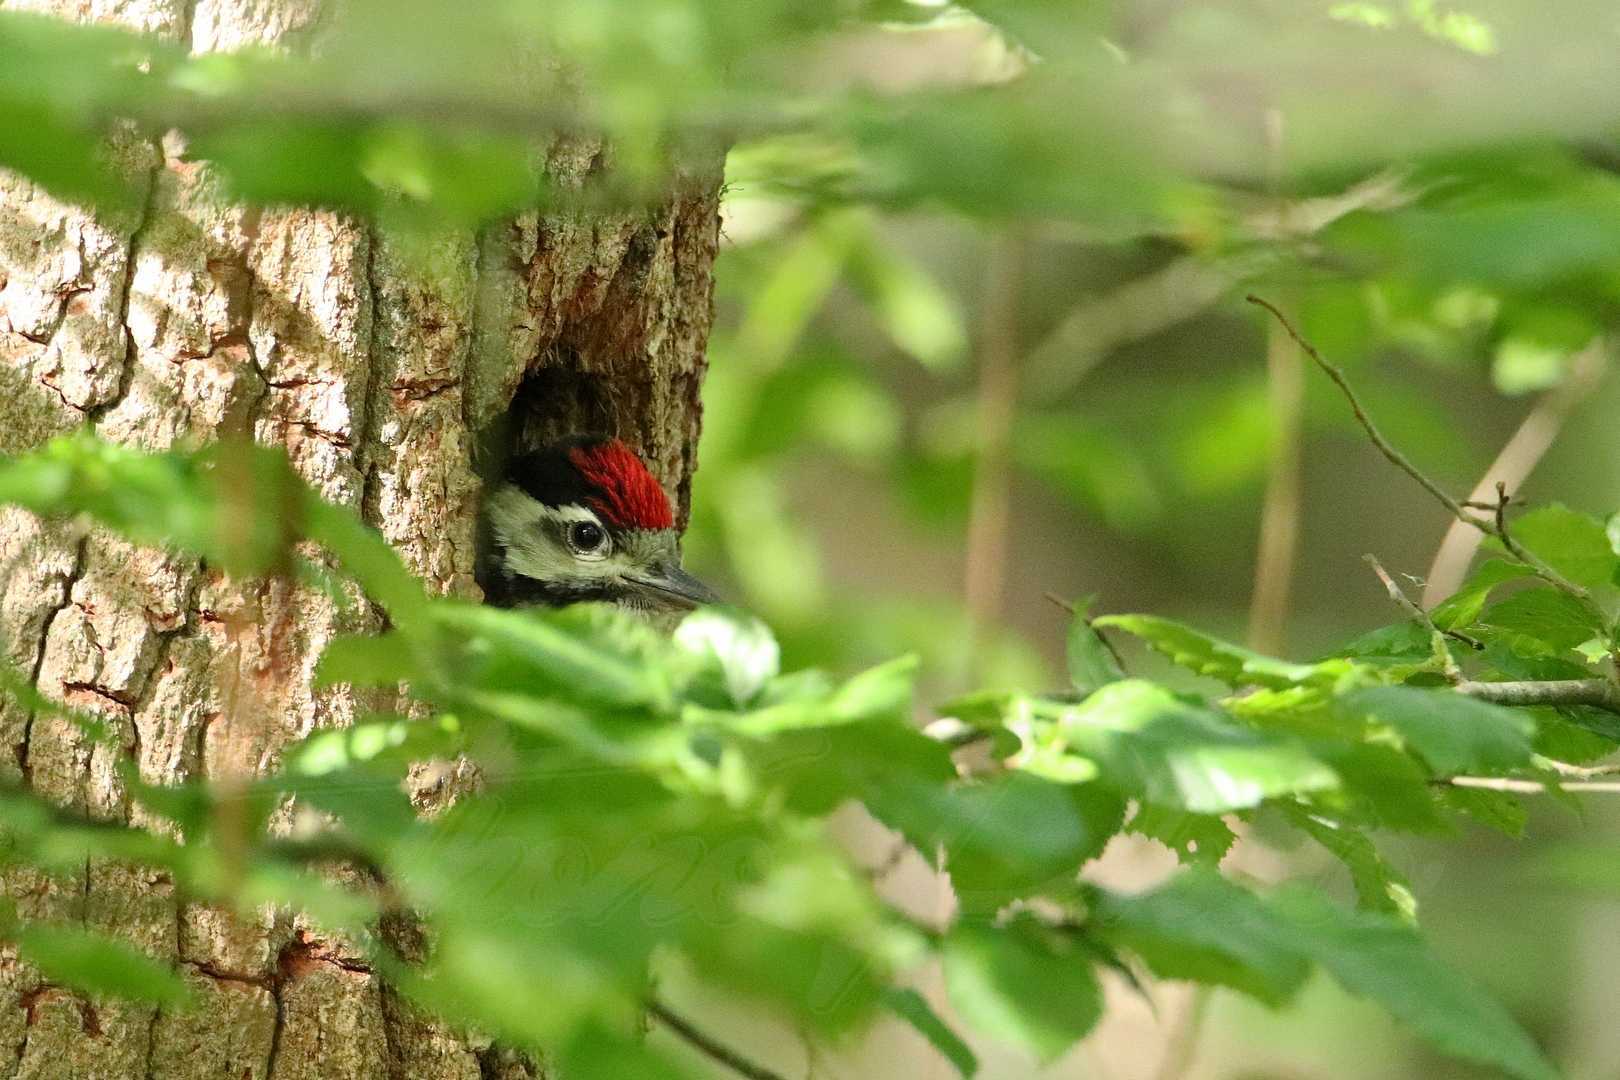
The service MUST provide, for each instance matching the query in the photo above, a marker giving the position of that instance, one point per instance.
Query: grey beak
(673, 583)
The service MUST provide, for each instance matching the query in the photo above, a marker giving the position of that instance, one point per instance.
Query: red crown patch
(626, 493)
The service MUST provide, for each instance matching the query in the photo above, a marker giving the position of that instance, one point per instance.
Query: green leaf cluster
(649, 800)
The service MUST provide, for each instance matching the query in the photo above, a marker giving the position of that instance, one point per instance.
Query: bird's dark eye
(586, 537)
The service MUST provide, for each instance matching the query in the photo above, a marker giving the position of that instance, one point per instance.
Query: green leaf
(1386, 961)
(582, 653)
(1232, 664)
(1407, 642)
(1091, 662)
(1463, 607)
(393, 740)
(739, 644)
(1548, 615)
(1201, 927)
(99, 965)
(1021, 983)
(914, 1009)
(597, 1054)
(1574, 544)
(366, 660)
(1497, 810)
(1162, 749)
(1379, 886)
(1202, 839)
(1010, 836)
(1453, 733)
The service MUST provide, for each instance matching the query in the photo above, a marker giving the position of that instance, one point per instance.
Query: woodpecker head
(583, 519)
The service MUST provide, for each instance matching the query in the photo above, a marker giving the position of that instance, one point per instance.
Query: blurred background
(925, 428)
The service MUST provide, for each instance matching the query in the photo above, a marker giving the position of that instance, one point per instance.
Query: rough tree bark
(195, 319)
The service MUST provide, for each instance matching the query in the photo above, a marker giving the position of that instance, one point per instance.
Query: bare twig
(1522, 554)
(1384, 445)
(1582, 772)
(1494, 526)
(1593, 693)
(1442, 652)
(1518, 458)
(1102, 637)
(1054, 598)
(1532, 787)
(707, 1044)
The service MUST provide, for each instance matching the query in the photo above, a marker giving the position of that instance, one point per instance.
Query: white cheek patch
(531, 532)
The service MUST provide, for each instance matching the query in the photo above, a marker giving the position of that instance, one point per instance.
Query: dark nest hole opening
(551, 403)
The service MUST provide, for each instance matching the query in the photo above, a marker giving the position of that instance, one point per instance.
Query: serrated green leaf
(595, 1053)
(1574, 544)
(1463, 607)
(1201, 927)
(1399, 643)
(1010, 836)
(1020, 983)
(1382, 787)
(1455, 734)
(1153, 745)
(1379, 886)
(1197, 839)
(1384, 960)
(1497, 810)
(1548, 615)
(1232, 664)
(914, 1009)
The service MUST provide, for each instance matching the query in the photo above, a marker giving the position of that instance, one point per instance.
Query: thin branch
(1448, 664)
(1520, 553)
(1533, 787)
(707, 1044)
(1495, 527)
(1518, 458)
(1582, 772)
(1594, 693)
(1102, 637)
(1384, 445)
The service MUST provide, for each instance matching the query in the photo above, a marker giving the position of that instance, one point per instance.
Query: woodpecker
(583, 519)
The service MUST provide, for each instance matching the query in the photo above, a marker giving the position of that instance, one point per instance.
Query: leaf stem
(708, 1044)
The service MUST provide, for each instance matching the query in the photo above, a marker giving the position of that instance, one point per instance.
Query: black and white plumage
(584, 520)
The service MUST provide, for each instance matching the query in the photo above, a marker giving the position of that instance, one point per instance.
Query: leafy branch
(692, 778)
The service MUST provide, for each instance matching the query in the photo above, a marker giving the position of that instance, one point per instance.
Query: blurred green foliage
(693, 778)
(1432, 186)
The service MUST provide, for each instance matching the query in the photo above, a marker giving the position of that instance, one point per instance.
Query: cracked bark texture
(195, 319)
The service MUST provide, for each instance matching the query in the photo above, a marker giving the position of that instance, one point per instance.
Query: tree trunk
(196, 319)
